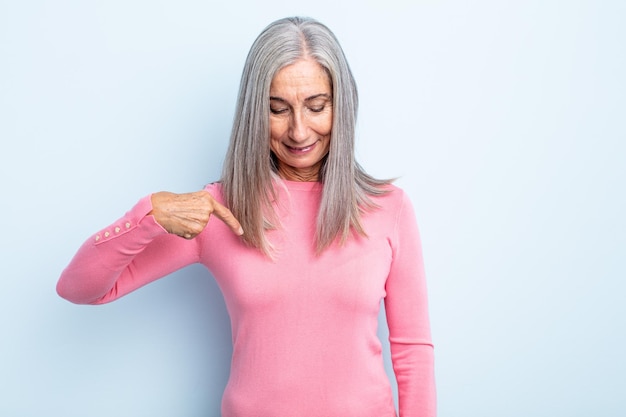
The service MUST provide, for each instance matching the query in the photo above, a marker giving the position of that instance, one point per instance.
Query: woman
(305, 251)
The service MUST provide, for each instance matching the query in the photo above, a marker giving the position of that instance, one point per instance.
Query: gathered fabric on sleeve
(129, 253)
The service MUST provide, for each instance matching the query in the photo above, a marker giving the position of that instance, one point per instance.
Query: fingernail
(240, 231)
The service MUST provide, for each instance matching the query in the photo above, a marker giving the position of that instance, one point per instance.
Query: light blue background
(504, 120)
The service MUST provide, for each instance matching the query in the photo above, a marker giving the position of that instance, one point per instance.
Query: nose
(298, 128)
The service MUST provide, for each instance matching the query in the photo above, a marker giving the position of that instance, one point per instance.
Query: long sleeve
(406, 307)
(131, 252)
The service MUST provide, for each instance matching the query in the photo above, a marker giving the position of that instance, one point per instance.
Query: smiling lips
(300, 151)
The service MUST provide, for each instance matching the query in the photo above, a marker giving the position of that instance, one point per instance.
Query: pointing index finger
(227, 217)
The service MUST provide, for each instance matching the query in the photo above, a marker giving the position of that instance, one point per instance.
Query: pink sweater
(303, 326)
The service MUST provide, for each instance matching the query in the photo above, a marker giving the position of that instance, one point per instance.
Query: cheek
(276, 134)
(277, 129)
(325, 125)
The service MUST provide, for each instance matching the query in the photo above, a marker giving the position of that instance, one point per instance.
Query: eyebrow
(313, 97)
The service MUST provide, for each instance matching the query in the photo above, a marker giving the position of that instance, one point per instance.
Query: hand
(186, 215)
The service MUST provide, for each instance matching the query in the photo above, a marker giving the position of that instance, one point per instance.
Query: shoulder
(388, 208)
(215, 189)
(393, 198)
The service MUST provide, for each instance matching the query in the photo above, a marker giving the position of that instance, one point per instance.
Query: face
(301, 117)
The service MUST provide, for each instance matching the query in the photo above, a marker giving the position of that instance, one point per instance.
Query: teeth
(301, 149)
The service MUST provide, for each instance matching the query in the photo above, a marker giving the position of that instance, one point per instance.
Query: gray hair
(249, 171)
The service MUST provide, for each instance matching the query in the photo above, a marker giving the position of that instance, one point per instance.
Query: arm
(140, 247)
(406, 307)
(129, 253)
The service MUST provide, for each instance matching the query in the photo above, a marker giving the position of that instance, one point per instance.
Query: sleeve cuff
(136, 218)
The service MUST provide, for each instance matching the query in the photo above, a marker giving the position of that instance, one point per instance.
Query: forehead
(305, 76)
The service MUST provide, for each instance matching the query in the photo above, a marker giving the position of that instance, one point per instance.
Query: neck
(302, 175)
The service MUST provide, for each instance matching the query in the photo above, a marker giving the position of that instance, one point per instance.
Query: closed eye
(278, 111)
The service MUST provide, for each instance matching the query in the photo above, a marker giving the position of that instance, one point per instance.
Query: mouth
(301, 150)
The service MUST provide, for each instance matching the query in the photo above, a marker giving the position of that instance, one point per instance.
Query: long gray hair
(249, 172)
